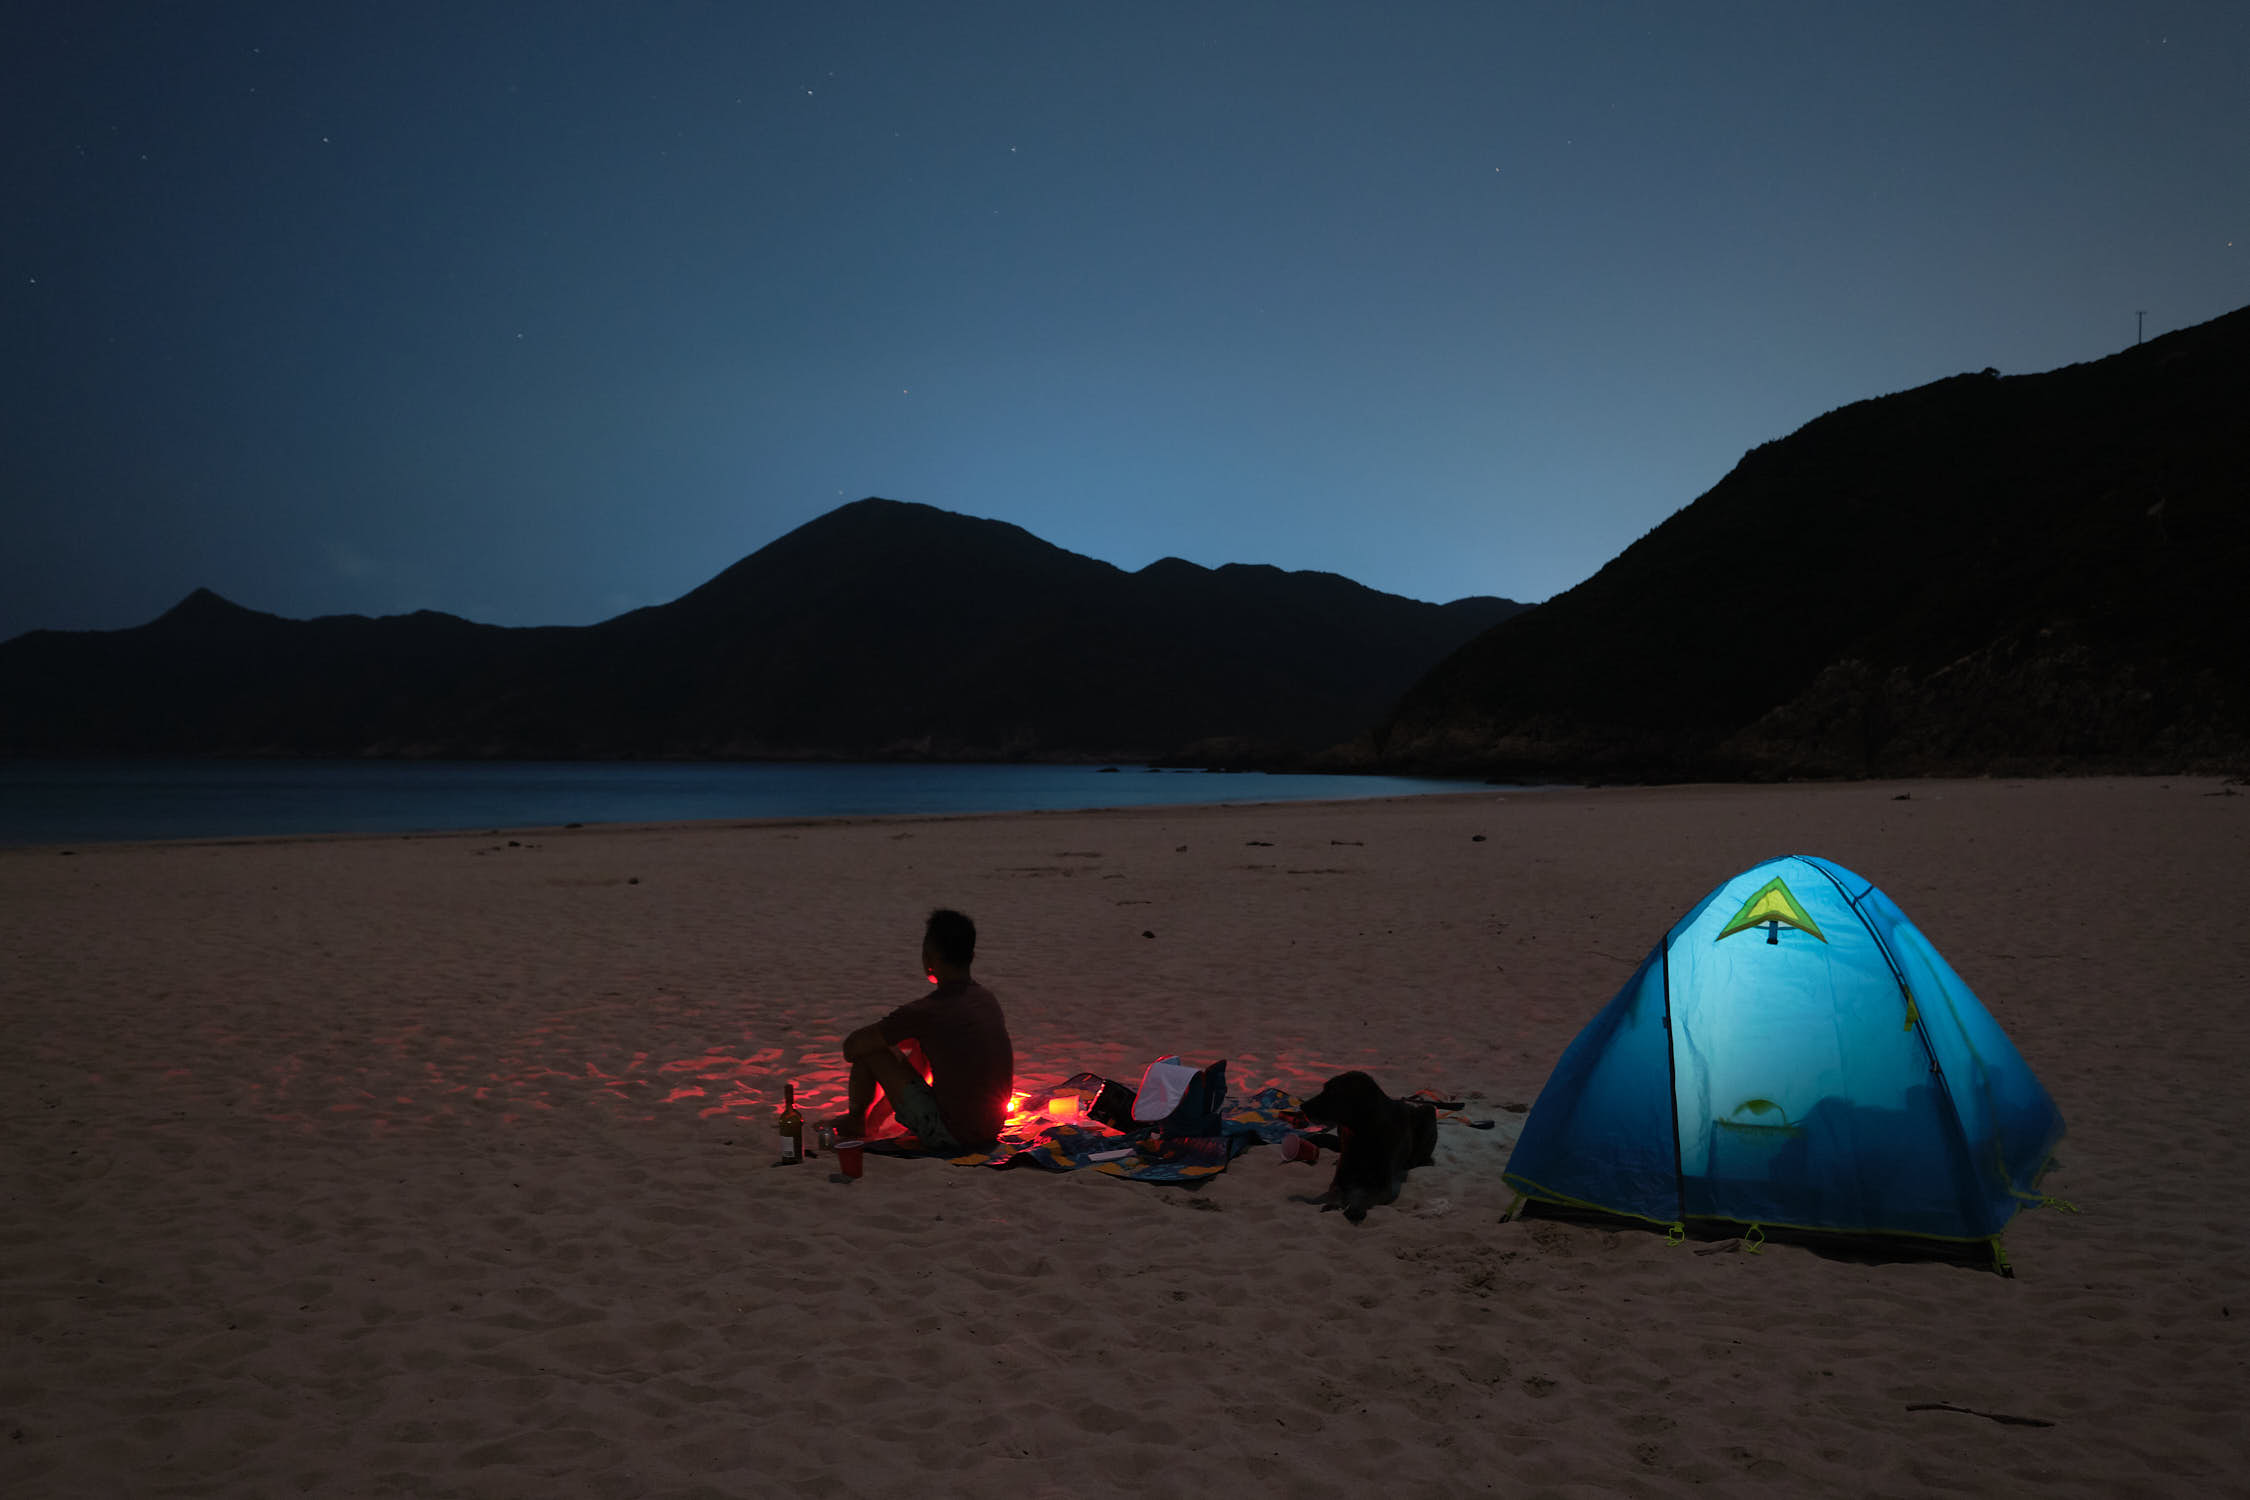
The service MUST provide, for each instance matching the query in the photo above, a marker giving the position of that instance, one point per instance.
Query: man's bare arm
(865, 1043)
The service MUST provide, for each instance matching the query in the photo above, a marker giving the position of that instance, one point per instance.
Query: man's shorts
(916, 1109)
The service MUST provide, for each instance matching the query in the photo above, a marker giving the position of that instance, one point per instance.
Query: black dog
(1378, 1139)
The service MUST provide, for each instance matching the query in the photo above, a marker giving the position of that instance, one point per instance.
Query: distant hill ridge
(2015, 574)
(2026, 573)
(882, 629)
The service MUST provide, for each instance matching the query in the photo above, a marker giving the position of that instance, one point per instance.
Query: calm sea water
(61, 802)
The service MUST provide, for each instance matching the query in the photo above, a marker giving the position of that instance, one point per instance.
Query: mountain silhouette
(882, 629)
(2028, 573)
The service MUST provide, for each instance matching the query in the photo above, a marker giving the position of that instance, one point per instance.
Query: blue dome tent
(1794, 1054)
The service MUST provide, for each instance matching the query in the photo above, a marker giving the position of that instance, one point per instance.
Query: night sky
(535, 313)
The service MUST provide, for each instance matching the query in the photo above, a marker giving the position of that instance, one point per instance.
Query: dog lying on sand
(1377, 1140)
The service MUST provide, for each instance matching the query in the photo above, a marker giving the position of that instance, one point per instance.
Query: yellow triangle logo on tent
(1773, 908)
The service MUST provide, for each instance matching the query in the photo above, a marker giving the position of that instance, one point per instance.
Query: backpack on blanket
(1174, 1099)
(1179, 1099)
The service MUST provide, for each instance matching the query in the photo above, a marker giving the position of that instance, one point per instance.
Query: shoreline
(53, 803)
(2220, 785)
(722, 825)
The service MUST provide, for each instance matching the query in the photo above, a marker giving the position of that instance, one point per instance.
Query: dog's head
(1352, 1100)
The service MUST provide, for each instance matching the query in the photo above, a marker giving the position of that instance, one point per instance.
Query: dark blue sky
(539, 312)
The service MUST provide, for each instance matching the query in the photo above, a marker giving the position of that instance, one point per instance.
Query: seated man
(962, 1034)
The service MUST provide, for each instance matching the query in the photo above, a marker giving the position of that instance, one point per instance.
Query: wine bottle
(792, 1127)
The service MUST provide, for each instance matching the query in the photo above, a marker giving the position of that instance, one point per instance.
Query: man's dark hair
(953, 935)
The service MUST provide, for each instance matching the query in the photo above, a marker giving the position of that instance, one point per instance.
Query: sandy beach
(441, 1165)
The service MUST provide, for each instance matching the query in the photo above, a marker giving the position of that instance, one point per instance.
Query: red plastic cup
(848, 1157)
(1295, 1147)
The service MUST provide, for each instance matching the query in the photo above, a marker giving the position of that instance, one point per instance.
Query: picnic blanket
(1145, 1154)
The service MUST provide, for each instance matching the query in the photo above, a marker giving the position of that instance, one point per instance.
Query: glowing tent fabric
(1794, 1053)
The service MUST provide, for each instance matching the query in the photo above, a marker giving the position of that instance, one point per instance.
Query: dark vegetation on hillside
(1986, 574)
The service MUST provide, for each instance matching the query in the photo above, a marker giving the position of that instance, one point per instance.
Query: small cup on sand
(848, 1158)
